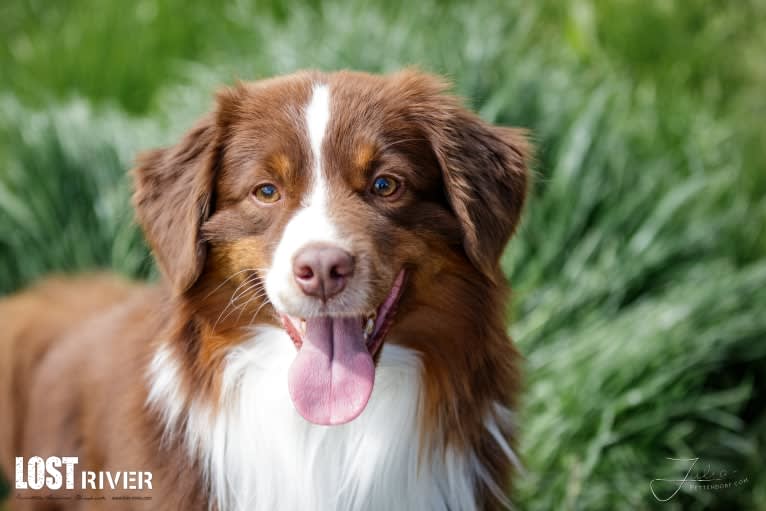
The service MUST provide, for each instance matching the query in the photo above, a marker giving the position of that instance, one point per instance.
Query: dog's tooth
(303, 327)
(369, 327)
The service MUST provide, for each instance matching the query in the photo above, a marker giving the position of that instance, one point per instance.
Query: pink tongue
(331, 378)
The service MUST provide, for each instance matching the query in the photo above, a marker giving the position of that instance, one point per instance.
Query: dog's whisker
(253, 292)
(247, 303)
(258, 293)
(252, 287)
(252, 284)
(228, 279)
(255, 315)
(229, 303)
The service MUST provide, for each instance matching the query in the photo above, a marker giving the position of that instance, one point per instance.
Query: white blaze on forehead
(317, 116)
(311, 223)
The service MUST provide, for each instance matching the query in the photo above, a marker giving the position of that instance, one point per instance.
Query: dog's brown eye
(267, 193)
(385, 186)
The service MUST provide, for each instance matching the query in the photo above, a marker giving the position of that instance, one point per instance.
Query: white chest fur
(259, 454)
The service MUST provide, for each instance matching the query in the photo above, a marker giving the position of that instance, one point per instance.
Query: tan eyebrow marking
(280, 163)
(364, 155)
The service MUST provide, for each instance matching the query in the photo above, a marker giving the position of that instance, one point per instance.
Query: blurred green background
(640, 268)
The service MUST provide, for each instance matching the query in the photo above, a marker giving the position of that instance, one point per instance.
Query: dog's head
(340, 206)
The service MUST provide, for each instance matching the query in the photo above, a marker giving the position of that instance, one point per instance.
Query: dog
(329, 330)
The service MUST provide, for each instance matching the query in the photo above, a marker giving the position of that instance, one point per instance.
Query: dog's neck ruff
(258, 453)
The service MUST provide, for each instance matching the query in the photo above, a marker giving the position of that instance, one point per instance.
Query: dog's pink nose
(322, 270)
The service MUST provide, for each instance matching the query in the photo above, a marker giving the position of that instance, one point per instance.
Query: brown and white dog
(330, 330)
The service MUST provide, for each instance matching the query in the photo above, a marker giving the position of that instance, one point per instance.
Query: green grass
(640, 268)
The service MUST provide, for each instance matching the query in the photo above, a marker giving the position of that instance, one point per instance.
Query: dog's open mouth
(331, 378)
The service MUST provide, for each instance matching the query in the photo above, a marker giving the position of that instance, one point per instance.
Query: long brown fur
(75, 351)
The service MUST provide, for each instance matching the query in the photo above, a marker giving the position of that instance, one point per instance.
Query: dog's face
(338, 205)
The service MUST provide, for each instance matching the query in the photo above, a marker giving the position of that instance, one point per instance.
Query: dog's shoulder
(37, 324)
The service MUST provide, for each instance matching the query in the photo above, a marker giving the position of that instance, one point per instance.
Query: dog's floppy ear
(484, 167)
(173, 196)
(485, 177)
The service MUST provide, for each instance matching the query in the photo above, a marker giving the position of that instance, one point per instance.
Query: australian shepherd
(329, 332)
